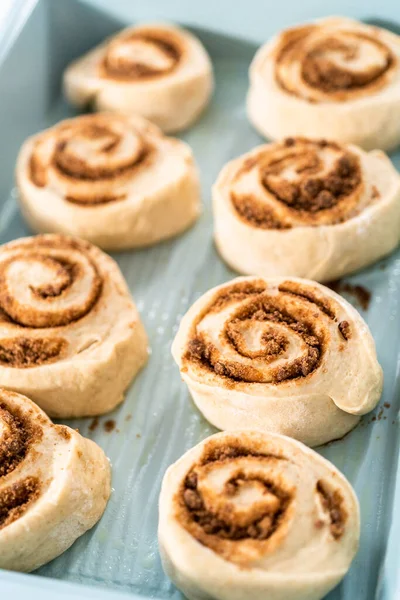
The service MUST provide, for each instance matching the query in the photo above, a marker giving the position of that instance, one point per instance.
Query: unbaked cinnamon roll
(306, 208)
(253, 515)
(70, 335)
(287, 356)
(334, 78)
(114, 180)
(159, 71)
(54, 485)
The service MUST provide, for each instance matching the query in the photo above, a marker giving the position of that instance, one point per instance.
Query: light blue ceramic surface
(120, 554)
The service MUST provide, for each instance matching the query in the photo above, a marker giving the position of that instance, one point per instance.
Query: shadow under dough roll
(279, 355)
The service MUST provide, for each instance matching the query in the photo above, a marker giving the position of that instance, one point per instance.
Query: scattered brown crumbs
(109, 425)
(128, 417)
(94, 424)
(360, 293)
(138, 435)
(386, 404)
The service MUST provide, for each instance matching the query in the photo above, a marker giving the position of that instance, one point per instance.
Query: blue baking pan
(119, 557)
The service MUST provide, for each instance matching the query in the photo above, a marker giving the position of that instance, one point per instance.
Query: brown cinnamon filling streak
(260, 328)
(26, 305)
(18, 435)
(218, 519)
(214, 518)
(328, 62)
(333, 503)
(16, 498)
(90, 158)
(23, 352)
(141, 55)
(303, 182)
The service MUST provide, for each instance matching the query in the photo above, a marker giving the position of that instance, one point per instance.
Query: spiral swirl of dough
(48, 283)
(90, 160)
(299, 182)
(38, 462)
(257, 501)
(158, 71)
(56, 298)
(334, 78)
(265, 353)
(141, 54)
(114, 180)
(307, 208)
(322, 64)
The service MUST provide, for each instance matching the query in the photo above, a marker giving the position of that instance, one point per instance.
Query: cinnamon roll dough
(280, 355)
(54, 485)
(111, 179)
(70, 335)
(158, 71)
(253, 515)
(306, 208)
(334, 78)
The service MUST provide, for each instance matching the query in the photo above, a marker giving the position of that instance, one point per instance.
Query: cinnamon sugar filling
(133, 64)
(18, 434)
(24, 352)
(65, 273)
(215, 519)
(302, 187)
(16, 498)
(269, 319)
(328, 63)
(112, 167)
(333, 503)
(277, 322)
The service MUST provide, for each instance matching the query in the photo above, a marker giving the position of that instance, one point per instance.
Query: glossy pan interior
(158, 422)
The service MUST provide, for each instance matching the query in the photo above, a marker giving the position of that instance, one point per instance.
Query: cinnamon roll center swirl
(298, 182)
(319, 63)
(90, 158)
(141, 55)
(254, 334)
(45, 285)
(233, 494)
